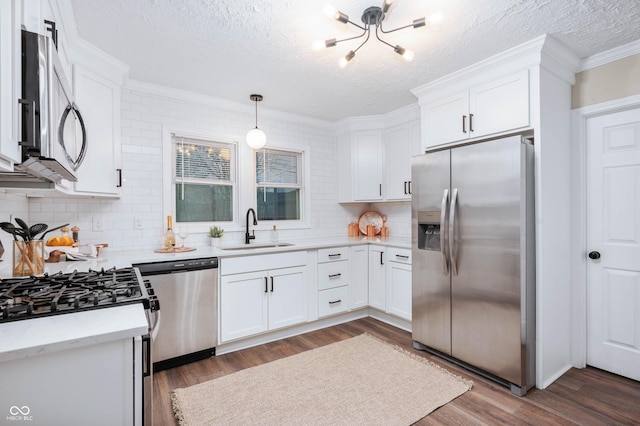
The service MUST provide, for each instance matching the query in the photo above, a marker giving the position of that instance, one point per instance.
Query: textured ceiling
(232, 48)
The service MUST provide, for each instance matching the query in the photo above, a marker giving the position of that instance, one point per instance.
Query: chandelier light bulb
(256, 138)
(330, 11)
(344, 61)
(318, 45)
(436, 19)
(386, 5)
(408, 55)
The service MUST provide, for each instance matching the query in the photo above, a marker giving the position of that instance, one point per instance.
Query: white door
(613, 243)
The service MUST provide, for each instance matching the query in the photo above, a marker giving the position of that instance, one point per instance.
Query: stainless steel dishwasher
(188, 293)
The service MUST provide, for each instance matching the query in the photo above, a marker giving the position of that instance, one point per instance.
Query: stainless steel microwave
(53, 133)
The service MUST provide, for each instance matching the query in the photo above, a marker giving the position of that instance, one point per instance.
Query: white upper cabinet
(374, 156)
(10, 22)
(499, 106)
(98, 100)
(368, 157)
(400, 143)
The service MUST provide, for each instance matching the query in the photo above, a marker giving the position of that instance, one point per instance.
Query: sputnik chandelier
(373, 17)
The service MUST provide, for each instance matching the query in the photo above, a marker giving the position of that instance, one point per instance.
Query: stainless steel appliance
(69, 294)
(188, 292)
(473, 246)
(53, 134)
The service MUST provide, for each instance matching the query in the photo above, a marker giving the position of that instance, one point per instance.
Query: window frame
(304, 186)
(169, 179)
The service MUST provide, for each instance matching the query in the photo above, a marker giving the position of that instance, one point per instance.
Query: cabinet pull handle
(471, 122)
(334, 275)
(381, 259)
(119, 185)
(271, 284)
(464, 124)
(335, 255)
(409, 187)
(381, 190)
(333, 302)
(405, 187)
(266, 285)
(402, 256)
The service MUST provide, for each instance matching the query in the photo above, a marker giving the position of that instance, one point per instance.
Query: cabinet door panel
(443, 120)
(243, 305)
(359, 279)
(399, 290)
(98, 100)
(367, 165)
(397, 156)
(377, 278)
(500, 106)
(287, 298)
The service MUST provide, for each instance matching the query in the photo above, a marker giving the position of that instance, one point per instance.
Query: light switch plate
(137, 223)
(98, 224)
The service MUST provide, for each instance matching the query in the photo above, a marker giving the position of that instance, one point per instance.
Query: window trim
(168, 184)
(305, 188)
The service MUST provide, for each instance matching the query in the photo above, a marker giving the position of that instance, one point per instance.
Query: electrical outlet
(137, 223)
(98, 224)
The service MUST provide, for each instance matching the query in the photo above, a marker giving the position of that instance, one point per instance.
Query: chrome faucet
(247, 237)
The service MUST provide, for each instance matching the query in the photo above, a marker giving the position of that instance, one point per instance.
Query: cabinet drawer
(333, 254)
(333, 301)
(333, 274)
(399, 255)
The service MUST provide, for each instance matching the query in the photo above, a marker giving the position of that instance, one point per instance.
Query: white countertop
(37, 336)
(21, 339)
(125, 258)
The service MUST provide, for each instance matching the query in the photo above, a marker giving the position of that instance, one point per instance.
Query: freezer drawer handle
(333, 302)
(453, 245)
(334, 275)
(443, 233)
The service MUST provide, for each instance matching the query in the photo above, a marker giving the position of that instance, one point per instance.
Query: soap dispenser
(274, 235)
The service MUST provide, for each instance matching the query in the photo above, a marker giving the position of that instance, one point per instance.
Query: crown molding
(611, 55)
(184, 95)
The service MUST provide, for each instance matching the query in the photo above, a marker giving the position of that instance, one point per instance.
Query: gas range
(62, 293)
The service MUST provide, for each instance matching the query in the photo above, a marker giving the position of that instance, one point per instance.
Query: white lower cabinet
(359, 279)
(377, 278)
(399, 283)
(262, 300)
(333, 281)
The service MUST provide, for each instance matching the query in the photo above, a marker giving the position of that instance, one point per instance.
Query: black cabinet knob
(594, 255)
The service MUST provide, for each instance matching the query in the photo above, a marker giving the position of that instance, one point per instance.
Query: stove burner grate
(22, 298)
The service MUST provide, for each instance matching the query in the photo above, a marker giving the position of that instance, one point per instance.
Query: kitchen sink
(256, 246)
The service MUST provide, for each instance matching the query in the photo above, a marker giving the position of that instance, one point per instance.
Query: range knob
(594, 255)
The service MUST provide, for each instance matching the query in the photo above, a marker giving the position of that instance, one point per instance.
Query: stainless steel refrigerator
(473, 246)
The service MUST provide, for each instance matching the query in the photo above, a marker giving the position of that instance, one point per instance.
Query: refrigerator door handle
(443, 233)
(453, 244)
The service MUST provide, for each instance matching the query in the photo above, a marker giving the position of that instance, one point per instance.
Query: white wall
(11, 206)
(145, 111)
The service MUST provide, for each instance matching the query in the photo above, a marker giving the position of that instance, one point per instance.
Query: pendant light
(256, 137)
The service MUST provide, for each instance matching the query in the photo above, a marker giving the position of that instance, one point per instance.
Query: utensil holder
(28, 258)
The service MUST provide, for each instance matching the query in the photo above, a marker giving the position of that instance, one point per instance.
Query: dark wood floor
(580, 397)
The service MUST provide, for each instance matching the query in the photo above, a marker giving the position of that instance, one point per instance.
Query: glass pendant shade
(256, 138)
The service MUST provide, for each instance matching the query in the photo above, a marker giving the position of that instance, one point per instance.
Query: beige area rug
(358, 381)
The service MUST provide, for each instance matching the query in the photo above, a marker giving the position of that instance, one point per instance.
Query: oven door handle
(156, 324)
(146, 356)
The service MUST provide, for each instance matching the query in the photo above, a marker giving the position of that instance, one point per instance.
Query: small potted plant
(215, 232)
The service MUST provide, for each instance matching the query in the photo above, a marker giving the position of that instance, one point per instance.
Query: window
(204, 180)
(278, 184)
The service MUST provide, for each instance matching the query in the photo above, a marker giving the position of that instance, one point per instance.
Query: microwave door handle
(83, 148)
(453, 243)
(443, 234)
(30, 139)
